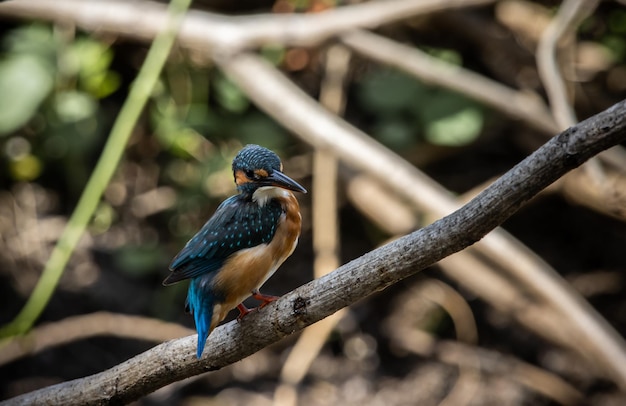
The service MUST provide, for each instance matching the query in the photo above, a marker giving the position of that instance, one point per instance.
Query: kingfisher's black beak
(279, 179)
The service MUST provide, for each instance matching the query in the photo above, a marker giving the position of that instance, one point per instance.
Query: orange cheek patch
(262, 173)
(241, 178)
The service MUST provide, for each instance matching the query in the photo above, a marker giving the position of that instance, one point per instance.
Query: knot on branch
(300, 306)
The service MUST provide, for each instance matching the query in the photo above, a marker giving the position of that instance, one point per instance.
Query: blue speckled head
(256, 167)
(254, 157)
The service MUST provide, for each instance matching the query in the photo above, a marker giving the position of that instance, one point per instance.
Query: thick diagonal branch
(378, 269)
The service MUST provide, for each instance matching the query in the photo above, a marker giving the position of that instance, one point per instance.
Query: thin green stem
(104, 170)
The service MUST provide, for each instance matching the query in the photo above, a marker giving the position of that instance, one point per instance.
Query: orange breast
(248, 269)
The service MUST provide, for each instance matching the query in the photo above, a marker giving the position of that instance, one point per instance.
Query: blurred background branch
(222, 33)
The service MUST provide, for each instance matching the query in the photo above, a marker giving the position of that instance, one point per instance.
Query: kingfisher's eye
(251, 174)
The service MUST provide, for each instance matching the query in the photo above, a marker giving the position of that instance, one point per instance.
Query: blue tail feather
(201, 301)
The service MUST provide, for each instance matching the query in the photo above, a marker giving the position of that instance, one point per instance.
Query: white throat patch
(265, 193)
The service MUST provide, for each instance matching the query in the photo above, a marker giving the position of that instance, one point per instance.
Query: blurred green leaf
(89, 56)
(25, 82)
(199, 115)
(90, 61)
(402, 106)
(229, 95)
(617, 21)
(32, 39)
(450, 119)
(394, 133)
(617, 45)
(26, 168)
(386, 92)
(165, 120)
(103, 218)
(275, 54)
(447, 55)
(140, 260)
(172, 131)
(74, 106)
(257, 128)
(457, 129)
(188, 141)
(102, 84)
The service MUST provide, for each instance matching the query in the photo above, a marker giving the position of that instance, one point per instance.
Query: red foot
(243, 311)
(265, 299)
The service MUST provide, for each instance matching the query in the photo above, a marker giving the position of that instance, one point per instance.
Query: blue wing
(237, 224)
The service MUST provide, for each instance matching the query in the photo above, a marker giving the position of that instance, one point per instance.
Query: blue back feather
(237, 224)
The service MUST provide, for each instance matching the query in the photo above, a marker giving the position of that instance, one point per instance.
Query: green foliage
(103, 217)
(36, 62)
(275, 54)
(49, 100)
(139, 260)
(451, 119)
(405, 112)
(74, 106)
(26, 76)
(172, 128)
(447, 55)
(26, 167)
(388, 93)
(101, 176)
(229, 96)
(90, 62)
(609, 31)
(258, 128)
(617, 21)
(198, 130)
(617, 45)
(396, 133)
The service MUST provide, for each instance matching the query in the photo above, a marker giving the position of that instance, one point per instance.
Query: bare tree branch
(374, 271)
(519, 105)
(143, 19)
(567, 19)
(600, 192)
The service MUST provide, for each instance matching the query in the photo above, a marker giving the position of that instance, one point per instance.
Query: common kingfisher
(245, 241)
